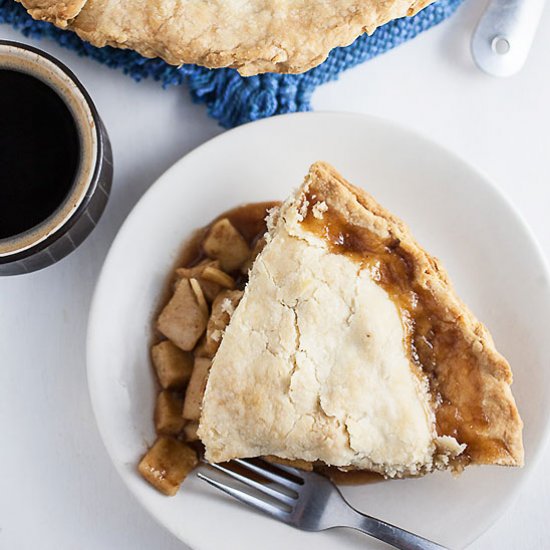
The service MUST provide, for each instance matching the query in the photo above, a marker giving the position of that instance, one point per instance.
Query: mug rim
(91, 183)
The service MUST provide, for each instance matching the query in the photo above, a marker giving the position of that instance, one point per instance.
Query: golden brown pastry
(258, 36)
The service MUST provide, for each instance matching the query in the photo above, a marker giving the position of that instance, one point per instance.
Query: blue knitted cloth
(229, 97)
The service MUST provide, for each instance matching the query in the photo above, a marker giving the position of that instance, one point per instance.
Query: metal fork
(308, 501)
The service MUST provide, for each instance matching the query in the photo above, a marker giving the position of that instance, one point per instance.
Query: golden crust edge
(55, 12)
(248, 61)
(436, 280)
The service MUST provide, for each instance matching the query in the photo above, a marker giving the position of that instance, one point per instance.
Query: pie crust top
(257, 36)
(350, 347)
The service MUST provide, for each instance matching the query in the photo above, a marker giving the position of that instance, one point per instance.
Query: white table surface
(58, 489)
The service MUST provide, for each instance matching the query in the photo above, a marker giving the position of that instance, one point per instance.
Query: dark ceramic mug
(75, 217)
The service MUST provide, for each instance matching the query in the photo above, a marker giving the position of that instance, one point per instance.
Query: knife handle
(504, 34)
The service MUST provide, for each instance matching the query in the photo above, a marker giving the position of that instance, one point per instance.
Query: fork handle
(399, 538)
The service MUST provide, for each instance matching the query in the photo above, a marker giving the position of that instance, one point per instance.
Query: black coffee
(39, 152)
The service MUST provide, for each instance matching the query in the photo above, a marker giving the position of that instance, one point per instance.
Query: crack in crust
(257, 36)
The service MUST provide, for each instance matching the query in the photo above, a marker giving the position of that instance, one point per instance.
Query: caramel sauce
(437, 347)
(351, 477)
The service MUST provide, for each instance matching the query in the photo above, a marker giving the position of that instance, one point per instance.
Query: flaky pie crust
(283, 36)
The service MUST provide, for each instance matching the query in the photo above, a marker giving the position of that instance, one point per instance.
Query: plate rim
(367, 119)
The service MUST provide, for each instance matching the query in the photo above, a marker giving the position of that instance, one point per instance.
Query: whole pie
(348, 347)
(257, 36)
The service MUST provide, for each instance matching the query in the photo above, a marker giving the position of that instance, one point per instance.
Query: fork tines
(282, 492)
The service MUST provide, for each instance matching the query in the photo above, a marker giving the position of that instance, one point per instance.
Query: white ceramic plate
(453, 211)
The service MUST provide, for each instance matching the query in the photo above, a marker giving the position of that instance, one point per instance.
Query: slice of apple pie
(349, 348)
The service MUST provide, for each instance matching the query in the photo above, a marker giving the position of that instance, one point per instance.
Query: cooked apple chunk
(221, 278)
(195, 389)
(190, 431)
(225, 244)
(168, 419)
(172, 365)
(199, 295)
(183, 320)
(209, 287)
(222, 308)
(167, 463)
(204, 349)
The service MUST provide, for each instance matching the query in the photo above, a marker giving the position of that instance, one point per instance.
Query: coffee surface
(39, 152)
